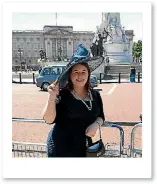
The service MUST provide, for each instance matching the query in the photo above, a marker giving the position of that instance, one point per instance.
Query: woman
(77, 112)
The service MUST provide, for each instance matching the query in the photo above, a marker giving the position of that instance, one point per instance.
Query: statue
(113, 19)
(106, 34)
(111, 24)
(110, 38)
(94, 46)
(100, 37)
(97, 45)
(113, 39)
(100, 45)
(94, 49)
(123, 35)
(42, 54)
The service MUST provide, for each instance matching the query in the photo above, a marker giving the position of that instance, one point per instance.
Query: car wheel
(45, 85)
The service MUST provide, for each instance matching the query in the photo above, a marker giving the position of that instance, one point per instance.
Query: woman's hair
(70, 84)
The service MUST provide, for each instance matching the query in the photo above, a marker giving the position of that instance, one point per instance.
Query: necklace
(90, 101)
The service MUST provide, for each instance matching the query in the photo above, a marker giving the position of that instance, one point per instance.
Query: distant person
(40, 68)
(132, 74)
(52, 71)
(58, 71)
(107, 60)
(133, 70)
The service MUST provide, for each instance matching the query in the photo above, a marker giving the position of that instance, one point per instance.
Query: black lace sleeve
(60, 103)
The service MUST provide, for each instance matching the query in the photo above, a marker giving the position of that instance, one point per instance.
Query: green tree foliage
(137, 51)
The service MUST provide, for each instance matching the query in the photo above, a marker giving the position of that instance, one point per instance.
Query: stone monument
(115, 43)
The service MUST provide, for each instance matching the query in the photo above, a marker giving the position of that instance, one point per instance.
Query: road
(121, 102)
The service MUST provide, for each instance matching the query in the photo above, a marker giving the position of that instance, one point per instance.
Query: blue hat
(82, 55)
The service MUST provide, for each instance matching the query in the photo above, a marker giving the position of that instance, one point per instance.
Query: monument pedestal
(116, 45)
(117, 52)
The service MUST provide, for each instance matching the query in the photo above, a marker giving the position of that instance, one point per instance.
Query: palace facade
(56, 41)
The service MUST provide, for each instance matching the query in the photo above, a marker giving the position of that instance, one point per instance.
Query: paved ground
(122, 102)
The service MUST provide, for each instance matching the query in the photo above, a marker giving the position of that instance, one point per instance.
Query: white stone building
(57, 41)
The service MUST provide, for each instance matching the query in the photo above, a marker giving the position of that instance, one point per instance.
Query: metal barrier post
(28, 149)
(33, 79)
(20, 78)
(138, 77)
(121, 135)
(132, 139)
(119, 78)
(100, 78)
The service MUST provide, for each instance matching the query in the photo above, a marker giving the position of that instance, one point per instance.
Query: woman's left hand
(91, 129)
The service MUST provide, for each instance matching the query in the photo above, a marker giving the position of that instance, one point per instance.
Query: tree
(137, 51)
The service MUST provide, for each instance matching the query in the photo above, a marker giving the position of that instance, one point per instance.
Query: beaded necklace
(90, 101)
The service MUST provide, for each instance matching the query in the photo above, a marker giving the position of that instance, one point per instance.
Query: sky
(79, 21)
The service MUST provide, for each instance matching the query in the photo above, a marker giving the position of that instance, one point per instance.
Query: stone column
(61, 47)
(56, 49)
(69, 47)
(50, 48)
(53, 48)
(46, 48)
(64, 47)
(130, 46)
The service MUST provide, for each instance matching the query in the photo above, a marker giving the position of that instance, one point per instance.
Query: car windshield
(54, 70)
(46, 71)
(57, 70)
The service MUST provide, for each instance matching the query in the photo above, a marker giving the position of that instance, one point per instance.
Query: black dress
(67, 138)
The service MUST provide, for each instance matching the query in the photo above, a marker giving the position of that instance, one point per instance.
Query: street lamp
(20, 51)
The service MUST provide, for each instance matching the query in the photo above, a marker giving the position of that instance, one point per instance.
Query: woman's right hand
(53, 90)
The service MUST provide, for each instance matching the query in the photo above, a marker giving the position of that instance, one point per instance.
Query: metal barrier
(30, 78)
(32, 120)
(110, 150)
(18, 78)
(27, 149)
(135, 152)
(119, 77)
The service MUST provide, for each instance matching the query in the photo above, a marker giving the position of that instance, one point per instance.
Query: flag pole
(56, 19)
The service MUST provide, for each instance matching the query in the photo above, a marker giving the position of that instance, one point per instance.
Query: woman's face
(79, 75)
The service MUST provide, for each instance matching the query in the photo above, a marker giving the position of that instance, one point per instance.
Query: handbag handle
(99, 130)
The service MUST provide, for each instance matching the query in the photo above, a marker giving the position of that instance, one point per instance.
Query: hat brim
(93, 62)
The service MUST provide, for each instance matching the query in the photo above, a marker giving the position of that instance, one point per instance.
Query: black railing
(116, 78)
(24, 78)
(119, 77)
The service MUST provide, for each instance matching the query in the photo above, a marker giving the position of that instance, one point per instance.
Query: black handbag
(97, 148)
